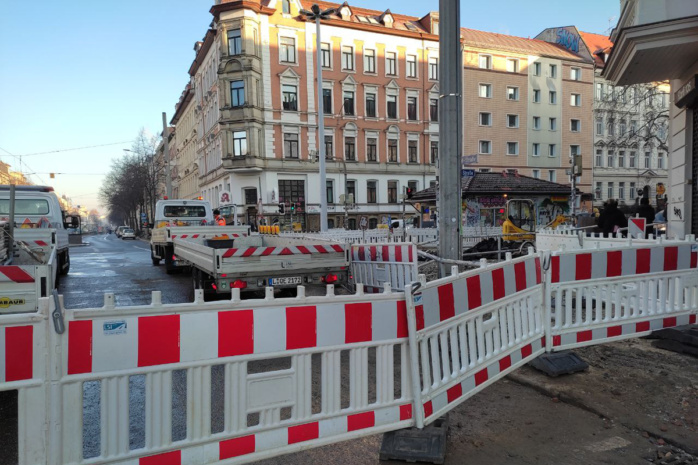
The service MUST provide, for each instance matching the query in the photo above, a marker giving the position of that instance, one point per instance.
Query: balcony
(246, 164)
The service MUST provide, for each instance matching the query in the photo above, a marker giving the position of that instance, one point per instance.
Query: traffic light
(293, 208)
(282, 208)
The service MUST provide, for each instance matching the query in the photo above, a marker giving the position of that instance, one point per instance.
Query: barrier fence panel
(471, 329)
(609, 294)
(394, 263)
(290, 373)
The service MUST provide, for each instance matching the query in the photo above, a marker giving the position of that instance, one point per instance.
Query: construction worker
(217, 218)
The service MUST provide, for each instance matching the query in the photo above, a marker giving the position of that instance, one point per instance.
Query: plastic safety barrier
(610, 294)
(471, 329)
(393, 263)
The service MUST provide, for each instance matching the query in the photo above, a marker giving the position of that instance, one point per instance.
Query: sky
(79, 79)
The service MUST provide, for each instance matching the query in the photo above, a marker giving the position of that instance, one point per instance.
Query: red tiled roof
(483, 39)
(597, 43)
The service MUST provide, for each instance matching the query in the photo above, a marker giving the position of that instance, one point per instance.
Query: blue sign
(114, 327)
(465, 173)
(144, 216)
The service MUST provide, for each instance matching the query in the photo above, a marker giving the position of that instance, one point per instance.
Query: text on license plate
(282, 281)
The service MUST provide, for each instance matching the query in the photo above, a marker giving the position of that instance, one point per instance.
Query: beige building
(185, 179)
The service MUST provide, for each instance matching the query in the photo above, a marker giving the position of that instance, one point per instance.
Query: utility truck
(252, 263)
(184, 219)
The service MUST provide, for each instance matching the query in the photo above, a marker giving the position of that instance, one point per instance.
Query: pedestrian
(647, 212)
(661, 216)
(217, 218)
(611, 218)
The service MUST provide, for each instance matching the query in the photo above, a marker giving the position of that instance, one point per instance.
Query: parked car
(120, 229)
(128, 234)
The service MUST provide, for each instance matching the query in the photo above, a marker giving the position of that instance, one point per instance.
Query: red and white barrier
(376, 265)
(289, 250)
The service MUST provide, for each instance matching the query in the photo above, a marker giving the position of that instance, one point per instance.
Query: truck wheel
(156, 261)
(65, 263)
(169, 262)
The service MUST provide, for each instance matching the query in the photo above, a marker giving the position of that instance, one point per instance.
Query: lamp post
(316, 15)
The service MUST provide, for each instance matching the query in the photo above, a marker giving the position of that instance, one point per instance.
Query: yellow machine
(520, 222)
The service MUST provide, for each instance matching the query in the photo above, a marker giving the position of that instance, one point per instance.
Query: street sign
(363, 223)
(464, 173)
(144, 216)
(469, 160)
(636, 227)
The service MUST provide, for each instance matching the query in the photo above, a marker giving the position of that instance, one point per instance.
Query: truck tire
(169, 262)
(156, 261)
(64, 263)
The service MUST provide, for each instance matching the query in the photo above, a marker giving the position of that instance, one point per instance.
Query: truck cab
(177, 212)
(38, 207)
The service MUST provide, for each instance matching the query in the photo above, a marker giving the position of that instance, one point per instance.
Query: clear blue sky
(78, 73)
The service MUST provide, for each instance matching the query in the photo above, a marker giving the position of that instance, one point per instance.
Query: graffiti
(492, 201)
(567, 39)
(678, 214)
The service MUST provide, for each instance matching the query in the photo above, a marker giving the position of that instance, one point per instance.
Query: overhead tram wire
(71, 149)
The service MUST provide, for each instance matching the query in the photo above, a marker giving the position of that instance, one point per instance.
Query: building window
(350, 148)
(327, 101)
(633, 128)
(660, 161)
(512, 65)
(369, 61)
(553, 71)
(576, 74)
(349, 103)
(621, 159)
(512, 121)
(576, 100)
(622, 127)
(326, 54)
(552, 97)
(351, 189)
(239, 143)
(485, 62)
(434, 69)
(512, 93)
(412, 151)
(392, 151)
(536, 123)
(512, 148)
(290, 95)
(552, 175)
(598, 191)
(535, 174)
(536, 95)
(611, 127)
(392, 191)
(553, 124)
(599, 158)
(329, 147)
(370, 105)
(599, 91)
(485, 90)
(434, 109)
(434, 146)
(535, 149)
(647, 160)
(631, 160)
(390, 64)
(412, 108)
(286, 7)
(631, 190)
(536, 69)
(411, 66)
(290, 145)
(237, 93)
(610, 159)
(348, 58)
(574, 150)
(250, 196)
(551, 150)
(234, 42)
(329, 185)
(392, 106)
(599, 126)
(485, 119)
(372, 149)
(288, 49)
(609, 193)
(575, 125)
(485, 147)
(621, 190)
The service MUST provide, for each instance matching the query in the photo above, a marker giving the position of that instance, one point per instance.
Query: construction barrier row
(239, 381)
(394, 264)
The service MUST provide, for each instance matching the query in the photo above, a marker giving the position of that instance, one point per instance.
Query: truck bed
(167, 234)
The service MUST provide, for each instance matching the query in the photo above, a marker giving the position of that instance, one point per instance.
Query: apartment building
(253, 96)
(629, 127)
(527, 106)
(185, 174)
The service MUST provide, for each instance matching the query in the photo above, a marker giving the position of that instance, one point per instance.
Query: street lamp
(316, 15)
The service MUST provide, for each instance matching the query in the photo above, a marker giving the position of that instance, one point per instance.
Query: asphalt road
(122, 267)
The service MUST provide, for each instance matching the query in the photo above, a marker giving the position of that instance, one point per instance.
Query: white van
(38, 207)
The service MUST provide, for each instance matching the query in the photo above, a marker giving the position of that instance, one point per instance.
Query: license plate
(284, 281)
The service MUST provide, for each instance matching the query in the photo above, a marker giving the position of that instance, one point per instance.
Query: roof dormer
(345, 11)
(386, 19)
